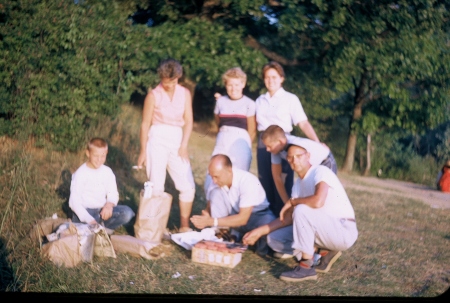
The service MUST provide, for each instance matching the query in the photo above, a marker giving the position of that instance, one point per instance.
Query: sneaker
(299, 274)
(327, 260)
(279, 255)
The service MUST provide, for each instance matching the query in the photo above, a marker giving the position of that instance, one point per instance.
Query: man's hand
(107, 211)
(287, 208)
(202, 221)
(252, 236)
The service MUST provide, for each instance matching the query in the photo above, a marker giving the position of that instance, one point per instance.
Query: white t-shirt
(245, 191)
(318, 152)
(234, 112)
(283, 109)
(92, 188)
(337, 203)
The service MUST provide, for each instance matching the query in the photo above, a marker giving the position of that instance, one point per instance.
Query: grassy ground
(402, 249)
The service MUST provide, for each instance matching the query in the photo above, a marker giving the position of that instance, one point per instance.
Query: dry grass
(402, 249)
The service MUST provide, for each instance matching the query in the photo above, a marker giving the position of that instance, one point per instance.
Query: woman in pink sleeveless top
(167, 122)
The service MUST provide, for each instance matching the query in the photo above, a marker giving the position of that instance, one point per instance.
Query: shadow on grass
(63, 191)
(7, 279)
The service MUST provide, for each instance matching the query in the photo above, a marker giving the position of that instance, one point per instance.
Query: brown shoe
(326, 260)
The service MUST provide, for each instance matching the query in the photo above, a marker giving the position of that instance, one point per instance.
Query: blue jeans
(330, 162)
(121, 215)
(221, 207)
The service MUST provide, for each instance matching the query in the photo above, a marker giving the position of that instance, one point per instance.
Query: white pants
(236, 144)
(313, 227)
(162, 154)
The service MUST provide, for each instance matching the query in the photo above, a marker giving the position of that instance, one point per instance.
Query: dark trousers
(264, 164)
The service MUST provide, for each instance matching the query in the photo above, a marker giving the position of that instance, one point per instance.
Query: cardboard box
(214, 255)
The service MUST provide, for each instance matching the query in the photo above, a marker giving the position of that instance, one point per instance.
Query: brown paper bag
(63, 252)
(44, 227)
(67, 251)
(78, 243)
(103, 246)
(152, 217)
(133, 246)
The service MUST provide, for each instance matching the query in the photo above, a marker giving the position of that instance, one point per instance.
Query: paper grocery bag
(67, 251)
(44, 227)
(103, 246)
(133, 246)
(151, 220)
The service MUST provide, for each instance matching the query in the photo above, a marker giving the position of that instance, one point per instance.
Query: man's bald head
(220, 170)
(220, 160)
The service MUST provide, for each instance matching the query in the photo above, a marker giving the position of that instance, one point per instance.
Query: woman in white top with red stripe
(167, 122)
(235, 117)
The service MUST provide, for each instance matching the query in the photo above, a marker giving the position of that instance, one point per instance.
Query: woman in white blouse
(279, 107)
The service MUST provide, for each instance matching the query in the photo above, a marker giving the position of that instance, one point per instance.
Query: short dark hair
(276, 66)
(273, 132)
(170, 68)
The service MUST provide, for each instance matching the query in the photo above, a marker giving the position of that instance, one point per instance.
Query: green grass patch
(402, 249)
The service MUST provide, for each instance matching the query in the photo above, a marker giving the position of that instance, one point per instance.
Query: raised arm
(308, 130)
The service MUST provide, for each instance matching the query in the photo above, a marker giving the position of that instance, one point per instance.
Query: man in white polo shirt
(322, 216)
(276, 142)
(237, 200)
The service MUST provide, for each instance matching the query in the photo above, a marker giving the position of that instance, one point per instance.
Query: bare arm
(251, 127)
(147, 116)
(307, 128)
(317, 200)
(187, 128)
(277, 175)
(252, 236)
(236, 220)
(217, 119)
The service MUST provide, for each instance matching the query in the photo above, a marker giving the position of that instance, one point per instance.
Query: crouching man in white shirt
(237, 200)
(322, 216)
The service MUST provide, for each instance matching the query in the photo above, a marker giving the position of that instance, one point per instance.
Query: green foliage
(400, 162)
(61, 64)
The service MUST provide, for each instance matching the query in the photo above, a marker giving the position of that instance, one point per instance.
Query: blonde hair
(234, 73)
(97, 142)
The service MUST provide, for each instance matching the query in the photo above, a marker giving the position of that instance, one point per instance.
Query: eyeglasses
(297, 156)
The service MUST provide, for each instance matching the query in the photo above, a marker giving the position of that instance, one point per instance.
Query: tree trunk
(349, 153)
(357, 114)
(368, 161)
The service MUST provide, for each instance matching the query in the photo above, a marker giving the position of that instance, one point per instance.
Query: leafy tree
(68, 65)
(388, 59)
(61, 67)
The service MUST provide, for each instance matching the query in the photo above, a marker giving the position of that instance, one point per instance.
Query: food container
(216, 253)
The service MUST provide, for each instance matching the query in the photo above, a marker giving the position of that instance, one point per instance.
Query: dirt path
(205, 136)
(426, 194)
